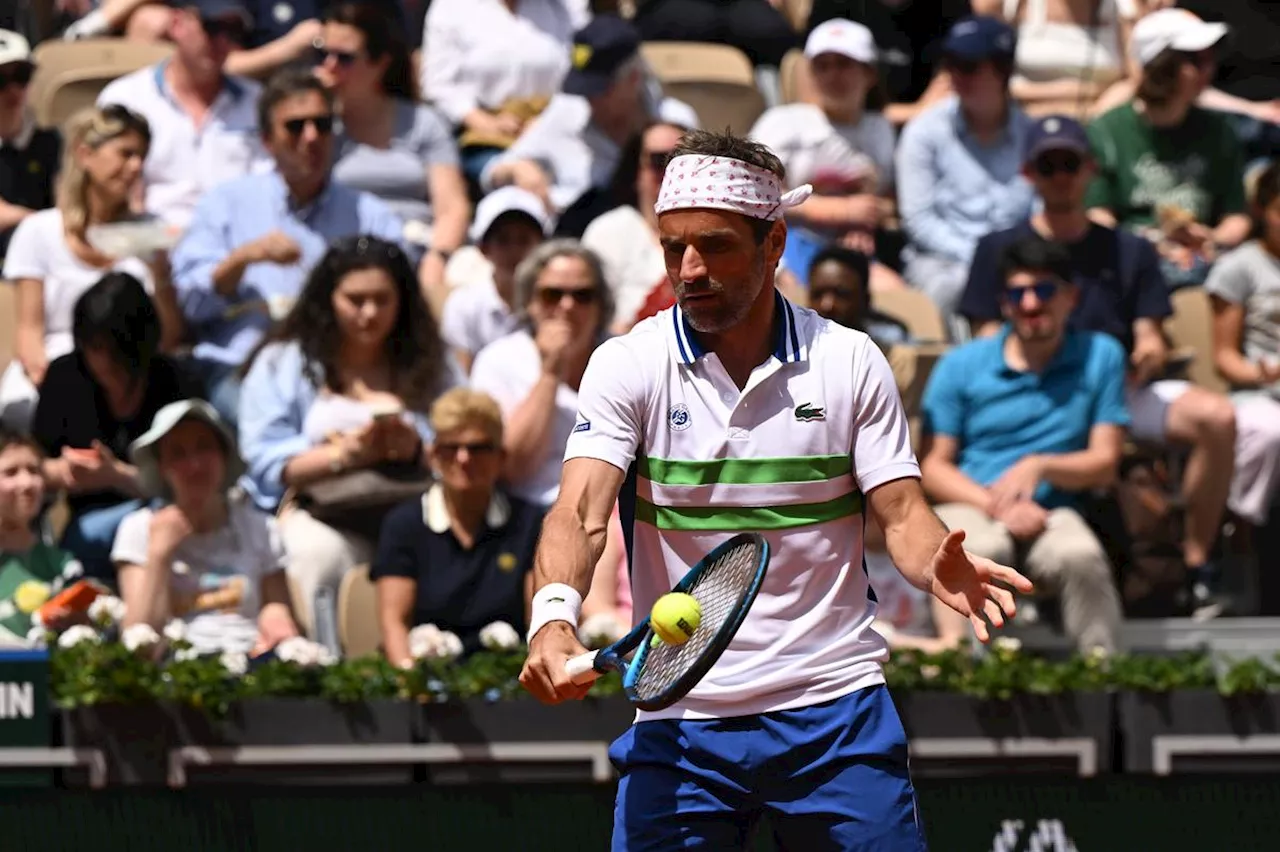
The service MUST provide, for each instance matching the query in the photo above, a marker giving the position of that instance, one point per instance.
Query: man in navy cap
(573, 147)
(1123, 294)
(958, 163)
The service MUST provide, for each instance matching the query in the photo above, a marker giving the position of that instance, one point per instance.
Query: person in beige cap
(202, 552)
(28, 154)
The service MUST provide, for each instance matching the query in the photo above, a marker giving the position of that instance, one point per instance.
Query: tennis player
(743, 412)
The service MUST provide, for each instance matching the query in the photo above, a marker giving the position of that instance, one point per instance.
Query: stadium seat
(1191, 328)
(71, 74)
(793, 65)
(358, 631)
(8, 321)
(715, 79)
(915, 310)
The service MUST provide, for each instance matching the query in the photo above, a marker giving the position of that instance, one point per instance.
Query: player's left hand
(973, 585)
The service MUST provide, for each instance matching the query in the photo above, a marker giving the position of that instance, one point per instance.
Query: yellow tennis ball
(675, 617)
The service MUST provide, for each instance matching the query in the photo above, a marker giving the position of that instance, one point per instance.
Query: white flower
(185, 654)
(76, 634)
(303, 652)
(106, 610)
(37, 620)
(137, 636)
(37, 637)
(72, 569)
(175, 630)
(930, 671)
(450, 646)
(600, 629)
(1007, 644)
(423, 641)
(499, 636)
(235, 662)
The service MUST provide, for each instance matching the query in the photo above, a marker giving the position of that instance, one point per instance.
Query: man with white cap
(734, 371)
(1167, 167)
(509, 223)
(28, 154)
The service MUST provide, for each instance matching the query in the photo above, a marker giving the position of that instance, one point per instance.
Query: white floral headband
(721, 183)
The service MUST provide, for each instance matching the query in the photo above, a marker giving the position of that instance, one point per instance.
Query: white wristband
(554, 602)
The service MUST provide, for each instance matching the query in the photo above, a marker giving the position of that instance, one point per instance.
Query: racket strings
(719, 591)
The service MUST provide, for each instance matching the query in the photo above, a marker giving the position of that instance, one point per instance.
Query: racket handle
(582, 668)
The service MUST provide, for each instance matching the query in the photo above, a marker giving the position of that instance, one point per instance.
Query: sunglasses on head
(233, 30)
(322, 123)
(1067, 162)
(20, 74)
(482, 448)
(552, 296)
(1045, 289)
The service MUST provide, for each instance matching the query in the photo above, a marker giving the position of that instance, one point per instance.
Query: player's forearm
(912, 538)
(568, 550)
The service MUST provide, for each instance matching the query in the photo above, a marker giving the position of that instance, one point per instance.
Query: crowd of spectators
(314, 295)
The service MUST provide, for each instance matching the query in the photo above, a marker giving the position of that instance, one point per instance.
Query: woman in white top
(489, 64)
(841, 144)
(52, 260)
(203, 553)
(391, 145)
(342, 386)
(1071, 53)
(534, 372)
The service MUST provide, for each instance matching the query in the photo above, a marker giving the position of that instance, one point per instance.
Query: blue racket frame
(614, 656)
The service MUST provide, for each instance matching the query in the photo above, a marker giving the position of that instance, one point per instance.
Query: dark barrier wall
(1121, 814)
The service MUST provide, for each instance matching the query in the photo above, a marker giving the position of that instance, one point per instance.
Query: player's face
(715, 265)
(1038, 305)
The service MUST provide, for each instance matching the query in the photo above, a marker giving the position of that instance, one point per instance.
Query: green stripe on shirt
(744, 471)
(747, 518)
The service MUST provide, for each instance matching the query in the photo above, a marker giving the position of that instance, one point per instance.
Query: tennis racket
(725, 584)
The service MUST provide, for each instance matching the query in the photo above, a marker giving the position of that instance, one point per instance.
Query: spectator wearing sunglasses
(959, 162)
(253, 240)
(1019, 426)
(28, 154)
(461, 556)
(1169, 169)
(204, 122)
(392, 144)
(535, 371)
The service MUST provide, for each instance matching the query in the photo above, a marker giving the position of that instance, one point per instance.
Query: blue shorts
(832, 778)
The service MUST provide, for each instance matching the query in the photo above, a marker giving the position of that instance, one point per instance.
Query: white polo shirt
(185, 161)
(818, 425)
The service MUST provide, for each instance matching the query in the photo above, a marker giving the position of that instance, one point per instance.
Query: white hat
(13, 48)
(142, 452)
(843, 37)
(508, 199)
(1172, 29)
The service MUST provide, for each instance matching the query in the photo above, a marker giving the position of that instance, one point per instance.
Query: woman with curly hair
(343, 385)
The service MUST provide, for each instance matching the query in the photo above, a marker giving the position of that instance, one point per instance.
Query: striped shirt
(818, 425)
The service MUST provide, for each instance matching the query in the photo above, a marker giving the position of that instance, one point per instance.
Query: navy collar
(787, 348)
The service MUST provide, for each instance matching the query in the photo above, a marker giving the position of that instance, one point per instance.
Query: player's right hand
(544, 674)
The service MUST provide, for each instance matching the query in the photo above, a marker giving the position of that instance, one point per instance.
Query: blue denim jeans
(90, 535)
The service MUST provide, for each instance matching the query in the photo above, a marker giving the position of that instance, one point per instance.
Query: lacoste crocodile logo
(807, 413)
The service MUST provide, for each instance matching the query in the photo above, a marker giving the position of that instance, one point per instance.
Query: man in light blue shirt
(1020, 426)
(959, 163)
(253, 240)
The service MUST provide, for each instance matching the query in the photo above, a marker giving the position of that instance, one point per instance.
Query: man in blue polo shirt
(1232, 461)
(1018, 425)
